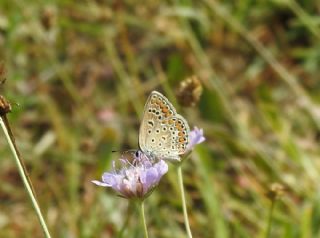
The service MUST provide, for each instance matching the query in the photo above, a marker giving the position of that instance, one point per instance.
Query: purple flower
(135, 179)
(195, 137)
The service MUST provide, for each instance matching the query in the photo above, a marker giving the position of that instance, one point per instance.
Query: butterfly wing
(163, 133)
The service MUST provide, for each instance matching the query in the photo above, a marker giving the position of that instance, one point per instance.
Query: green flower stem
(183, 199)
(268, 232)
(26, 181)
(143, 219)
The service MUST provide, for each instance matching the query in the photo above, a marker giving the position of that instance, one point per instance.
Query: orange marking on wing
(164, 109)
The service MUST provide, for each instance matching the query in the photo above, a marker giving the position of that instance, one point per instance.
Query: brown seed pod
(5, 106)
(189, 91)
(276, 191)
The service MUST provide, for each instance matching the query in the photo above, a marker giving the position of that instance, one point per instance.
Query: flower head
(195, 137)
(136, 178)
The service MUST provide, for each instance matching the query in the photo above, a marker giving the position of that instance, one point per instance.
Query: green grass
(258, 62)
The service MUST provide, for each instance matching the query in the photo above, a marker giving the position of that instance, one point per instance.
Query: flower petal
(195, 137)
(149, 178)
(162, 167)
(96, 182)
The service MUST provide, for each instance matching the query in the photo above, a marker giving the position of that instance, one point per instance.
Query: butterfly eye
(137, 154)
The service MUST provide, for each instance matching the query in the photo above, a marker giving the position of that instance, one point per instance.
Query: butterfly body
(163, 134)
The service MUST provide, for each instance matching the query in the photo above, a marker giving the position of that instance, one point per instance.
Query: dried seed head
(47, 18)
(276, 191)
(189, 92)
(5, 106)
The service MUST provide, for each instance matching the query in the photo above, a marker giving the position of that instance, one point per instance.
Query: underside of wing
(163, 132)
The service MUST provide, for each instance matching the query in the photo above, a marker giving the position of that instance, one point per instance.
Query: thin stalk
(305, 18)
(268, 232)
(183, 200)
(143, 219)
(26, 181)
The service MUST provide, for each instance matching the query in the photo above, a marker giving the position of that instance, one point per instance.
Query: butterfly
(163, 134)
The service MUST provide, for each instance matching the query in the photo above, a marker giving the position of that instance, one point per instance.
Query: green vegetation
(78, 74)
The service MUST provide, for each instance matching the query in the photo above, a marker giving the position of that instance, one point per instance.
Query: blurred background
(78, 74)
